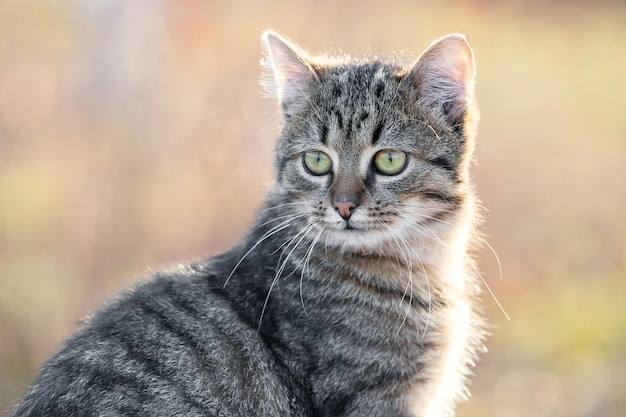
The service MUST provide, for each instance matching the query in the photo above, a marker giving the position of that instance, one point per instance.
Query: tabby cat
(354, 294)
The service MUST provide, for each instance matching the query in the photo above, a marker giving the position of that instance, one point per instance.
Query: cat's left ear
(289, 72)
(444, 77)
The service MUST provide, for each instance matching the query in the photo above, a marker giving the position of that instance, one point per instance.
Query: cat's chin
(356, 238)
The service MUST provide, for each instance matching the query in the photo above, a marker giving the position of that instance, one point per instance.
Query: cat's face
(361, 159)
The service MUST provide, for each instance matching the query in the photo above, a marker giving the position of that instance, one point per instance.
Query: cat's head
(372, 151)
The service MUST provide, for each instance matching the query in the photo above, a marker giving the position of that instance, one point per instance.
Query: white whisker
(264, 113)
(491, 292)
(305, 267)
(282, 217)
(428, 125)
(423, 230)
(268, 234)
(280, 270)
(409, 285)
(410, 248)
(484, 281)
(288, 242)
(494, 254)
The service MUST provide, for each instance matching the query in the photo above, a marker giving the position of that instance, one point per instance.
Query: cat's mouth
(352, 226)
(356, 230)
(355, 236)
(347, 225)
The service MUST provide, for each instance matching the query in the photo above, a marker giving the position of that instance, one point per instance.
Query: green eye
(317, 163)
(390, 162)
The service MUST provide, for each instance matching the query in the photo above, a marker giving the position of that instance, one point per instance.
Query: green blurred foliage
(133, 135)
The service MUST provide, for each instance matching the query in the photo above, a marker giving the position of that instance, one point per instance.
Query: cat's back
(175, 345)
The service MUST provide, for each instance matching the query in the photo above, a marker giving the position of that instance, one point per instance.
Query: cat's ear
(289, 72)
(444, 78)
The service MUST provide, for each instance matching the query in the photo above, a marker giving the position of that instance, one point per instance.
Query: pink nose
(344, 208)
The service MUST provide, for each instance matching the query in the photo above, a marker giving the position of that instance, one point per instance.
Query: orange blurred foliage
(133, 134)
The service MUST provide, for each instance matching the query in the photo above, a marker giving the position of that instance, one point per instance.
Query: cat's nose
(344, 207)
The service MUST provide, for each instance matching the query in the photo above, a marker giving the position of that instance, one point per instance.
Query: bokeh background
(133, 135)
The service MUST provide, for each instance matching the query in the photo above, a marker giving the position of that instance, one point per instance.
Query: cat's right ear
(289, 74)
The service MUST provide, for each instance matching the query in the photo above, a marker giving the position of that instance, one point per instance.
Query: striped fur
(312, 314)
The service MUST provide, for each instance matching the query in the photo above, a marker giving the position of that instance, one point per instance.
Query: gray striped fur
(312, 314)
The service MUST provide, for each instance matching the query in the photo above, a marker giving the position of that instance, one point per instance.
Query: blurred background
(133, 135)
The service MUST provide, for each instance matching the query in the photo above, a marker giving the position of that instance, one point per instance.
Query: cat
(354, 294)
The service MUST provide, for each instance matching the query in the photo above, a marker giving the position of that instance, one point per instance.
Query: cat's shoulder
(175, 290)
